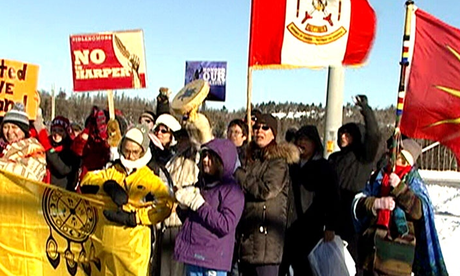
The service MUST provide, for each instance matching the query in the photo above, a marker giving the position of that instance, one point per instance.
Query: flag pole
(402, 79)
(384, 215)
(248, 103)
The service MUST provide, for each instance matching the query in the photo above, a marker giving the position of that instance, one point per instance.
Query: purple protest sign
(214, 72)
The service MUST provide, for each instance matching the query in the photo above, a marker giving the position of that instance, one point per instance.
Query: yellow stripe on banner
(400, 106)
(45, 230)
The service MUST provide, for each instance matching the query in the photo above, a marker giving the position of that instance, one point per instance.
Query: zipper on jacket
(263, 228)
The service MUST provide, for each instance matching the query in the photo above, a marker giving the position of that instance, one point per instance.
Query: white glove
(394, 180)
(387, 203)
(190, 197)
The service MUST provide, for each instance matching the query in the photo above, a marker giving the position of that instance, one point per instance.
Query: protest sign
(214, 72)
(109, 60)
(18, 83)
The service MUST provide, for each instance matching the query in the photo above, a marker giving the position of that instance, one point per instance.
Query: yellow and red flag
(432, 103)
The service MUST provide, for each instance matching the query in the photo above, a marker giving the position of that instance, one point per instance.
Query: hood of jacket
(227, 152)
(355, 131)
(287, 151)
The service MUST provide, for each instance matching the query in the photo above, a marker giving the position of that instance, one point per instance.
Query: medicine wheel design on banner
(74, 219)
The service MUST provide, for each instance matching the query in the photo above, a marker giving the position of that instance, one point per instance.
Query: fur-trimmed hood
(287, 151)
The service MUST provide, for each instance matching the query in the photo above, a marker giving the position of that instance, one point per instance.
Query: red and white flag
(316, 33)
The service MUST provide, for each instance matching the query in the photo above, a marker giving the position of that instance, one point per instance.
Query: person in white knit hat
(132, 185)
(165, 127)
(21, 154)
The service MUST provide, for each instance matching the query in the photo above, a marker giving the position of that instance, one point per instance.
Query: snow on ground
(446, 202)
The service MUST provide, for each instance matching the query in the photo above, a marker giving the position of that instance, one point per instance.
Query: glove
(394, 180)
(361, 100)
(89, 189)
(121, 217)
(114, 133)
(190, 197)
(387, 203)
(116, 192)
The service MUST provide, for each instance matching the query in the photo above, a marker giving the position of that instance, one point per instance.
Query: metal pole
(334, 108)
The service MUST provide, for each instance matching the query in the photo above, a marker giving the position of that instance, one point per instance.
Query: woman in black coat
(62, 164)
(316, 198)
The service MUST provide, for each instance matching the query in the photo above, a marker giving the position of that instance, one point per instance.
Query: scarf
(130, 166)
(428, 260)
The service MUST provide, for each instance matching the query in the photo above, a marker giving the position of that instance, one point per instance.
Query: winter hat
(61, 121)
(311, 132)
(411, 150)
(170, 122)
(148, 114)
(19, 117)
(270, 121)
(140, 135)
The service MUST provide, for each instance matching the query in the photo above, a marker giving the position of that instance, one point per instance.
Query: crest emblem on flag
(317, 22)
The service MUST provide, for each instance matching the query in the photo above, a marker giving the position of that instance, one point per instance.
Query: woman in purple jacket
(210, 212)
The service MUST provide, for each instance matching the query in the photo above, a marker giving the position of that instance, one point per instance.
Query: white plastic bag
(328, 259)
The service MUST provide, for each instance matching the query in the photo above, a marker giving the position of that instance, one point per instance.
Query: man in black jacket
(354, 164)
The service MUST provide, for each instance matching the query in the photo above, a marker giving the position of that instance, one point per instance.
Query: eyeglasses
(264, 127)
(234, 132)
(162, 130)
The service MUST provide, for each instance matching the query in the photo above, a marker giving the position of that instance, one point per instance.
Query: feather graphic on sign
(121, 47)
(133, 61)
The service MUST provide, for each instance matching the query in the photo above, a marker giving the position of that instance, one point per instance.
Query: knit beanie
(140, 135)
(411, 150)
(148, 114)
(270, 121)
(61, 121)
(19, 117)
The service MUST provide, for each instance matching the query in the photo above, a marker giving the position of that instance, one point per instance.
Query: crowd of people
(189, 203)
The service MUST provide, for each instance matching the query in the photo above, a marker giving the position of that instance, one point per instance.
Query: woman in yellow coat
(132, 185)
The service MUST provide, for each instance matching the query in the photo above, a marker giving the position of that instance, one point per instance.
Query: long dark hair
(216, 162)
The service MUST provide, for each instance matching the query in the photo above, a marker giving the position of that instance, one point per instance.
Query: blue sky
(209, 30)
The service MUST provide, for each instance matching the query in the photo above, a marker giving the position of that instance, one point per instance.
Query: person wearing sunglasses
(266, 183)
(255, 113)
(148, 118)
(316, 197)
(165, 127)
(412, 221)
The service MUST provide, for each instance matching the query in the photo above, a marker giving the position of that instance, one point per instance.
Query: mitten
(394, 180)
(89, 189)
(101, 124)
(121, 217)
(114, 133)
(190, 197)
(116, 192)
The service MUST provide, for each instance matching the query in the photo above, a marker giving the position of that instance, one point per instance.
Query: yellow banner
(45, 230)
(18, 83)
